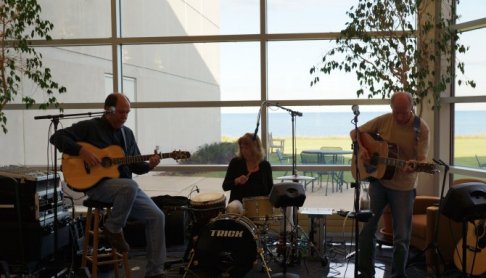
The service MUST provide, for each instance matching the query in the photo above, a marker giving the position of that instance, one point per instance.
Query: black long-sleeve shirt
(99, 133)
(259, 183)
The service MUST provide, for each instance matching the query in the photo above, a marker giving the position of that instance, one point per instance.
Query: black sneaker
(116, 241)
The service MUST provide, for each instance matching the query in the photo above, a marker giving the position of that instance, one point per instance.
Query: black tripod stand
(55, 122)
(433, 244)
(357, 189)
(293, 114)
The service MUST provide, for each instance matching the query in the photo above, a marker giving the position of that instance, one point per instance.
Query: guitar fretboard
(399, 163)
(391, 162)
(137, 158)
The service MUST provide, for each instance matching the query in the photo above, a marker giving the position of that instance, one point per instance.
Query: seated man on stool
(123, 192)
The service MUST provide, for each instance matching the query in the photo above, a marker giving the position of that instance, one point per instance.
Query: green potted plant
(20, 22)
(396, 45)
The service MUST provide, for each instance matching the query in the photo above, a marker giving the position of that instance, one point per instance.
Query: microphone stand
(293, 114)
(357, 193)
(433, 244)
(55, 121)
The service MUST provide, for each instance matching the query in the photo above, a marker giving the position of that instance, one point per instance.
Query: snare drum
(227, 245)
(206, 206)
(260, 209)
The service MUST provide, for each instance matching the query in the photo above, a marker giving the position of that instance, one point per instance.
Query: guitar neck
(398, 163)
(137, 158)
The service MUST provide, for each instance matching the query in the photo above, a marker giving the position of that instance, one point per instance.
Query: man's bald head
(401, 105)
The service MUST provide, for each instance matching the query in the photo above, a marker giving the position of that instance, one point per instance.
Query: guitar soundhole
(481, 235)
(374, 159)
(106, 162)
(371, 167)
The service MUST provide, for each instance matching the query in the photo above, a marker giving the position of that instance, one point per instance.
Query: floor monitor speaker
(465, 202)
(287, 194)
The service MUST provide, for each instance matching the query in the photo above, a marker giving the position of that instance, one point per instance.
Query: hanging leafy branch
(20, 22)
(381, 45)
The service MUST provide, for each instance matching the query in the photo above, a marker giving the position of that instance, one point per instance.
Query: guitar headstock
(178, 155)
(429, 168)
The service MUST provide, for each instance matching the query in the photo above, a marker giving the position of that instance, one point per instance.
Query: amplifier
(36, 193)
(30, 242)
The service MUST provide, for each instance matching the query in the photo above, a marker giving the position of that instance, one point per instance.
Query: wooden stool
(92, 231)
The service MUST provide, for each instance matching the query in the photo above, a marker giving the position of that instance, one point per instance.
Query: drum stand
(295, 230)
(284, 261)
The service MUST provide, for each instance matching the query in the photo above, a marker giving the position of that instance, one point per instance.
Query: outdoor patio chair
(480, 164)
(275, 144)
(283, 159)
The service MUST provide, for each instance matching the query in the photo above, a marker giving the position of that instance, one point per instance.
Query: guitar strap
(416, 128)
(124, 140)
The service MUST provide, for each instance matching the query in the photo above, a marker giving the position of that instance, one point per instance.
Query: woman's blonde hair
(257, 145)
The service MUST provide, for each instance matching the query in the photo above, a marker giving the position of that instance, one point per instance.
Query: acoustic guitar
(383, 160)
(475, 248)
(80, 176)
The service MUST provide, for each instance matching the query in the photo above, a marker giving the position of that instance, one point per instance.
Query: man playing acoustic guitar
(410, 134)
(127, 198)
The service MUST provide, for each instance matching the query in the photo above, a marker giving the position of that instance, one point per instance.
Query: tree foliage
(20, 22)
(382, 46)
(215, 153)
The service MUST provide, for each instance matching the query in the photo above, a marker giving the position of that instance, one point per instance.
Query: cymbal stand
(297, 228)
(284, 261)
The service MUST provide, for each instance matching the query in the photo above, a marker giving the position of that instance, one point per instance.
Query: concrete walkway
(155, 184)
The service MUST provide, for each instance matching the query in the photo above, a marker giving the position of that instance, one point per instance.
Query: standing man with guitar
(410, 134)
(127, 198)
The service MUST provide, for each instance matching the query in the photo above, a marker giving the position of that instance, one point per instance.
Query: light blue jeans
(129, 200)
(401, 205)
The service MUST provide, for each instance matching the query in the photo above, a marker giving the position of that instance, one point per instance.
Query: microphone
(355, 109)
(110, 109)
(197, 189)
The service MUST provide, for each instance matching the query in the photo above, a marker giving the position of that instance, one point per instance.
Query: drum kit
(229, 244)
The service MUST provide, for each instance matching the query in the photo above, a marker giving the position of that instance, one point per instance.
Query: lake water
(331, 123)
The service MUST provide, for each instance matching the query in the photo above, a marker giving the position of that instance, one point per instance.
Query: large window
(197, 73)
(469, 106)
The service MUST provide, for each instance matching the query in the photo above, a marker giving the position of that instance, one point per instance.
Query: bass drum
(227, 245)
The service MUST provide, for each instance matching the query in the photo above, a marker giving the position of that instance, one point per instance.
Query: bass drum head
(227, 245)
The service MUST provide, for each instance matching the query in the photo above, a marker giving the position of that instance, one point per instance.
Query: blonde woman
(248, 174)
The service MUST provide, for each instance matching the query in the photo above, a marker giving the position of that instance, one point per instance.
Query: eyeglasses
(122, 112)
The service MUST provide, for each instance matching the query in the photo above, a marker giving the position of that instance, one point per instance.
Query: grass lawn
(465, 149)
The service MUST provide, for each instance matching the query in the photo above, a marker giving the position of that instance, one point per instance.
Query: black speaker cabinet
(465, 202)
(176, 222)
(287, 194)
(37, 242)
